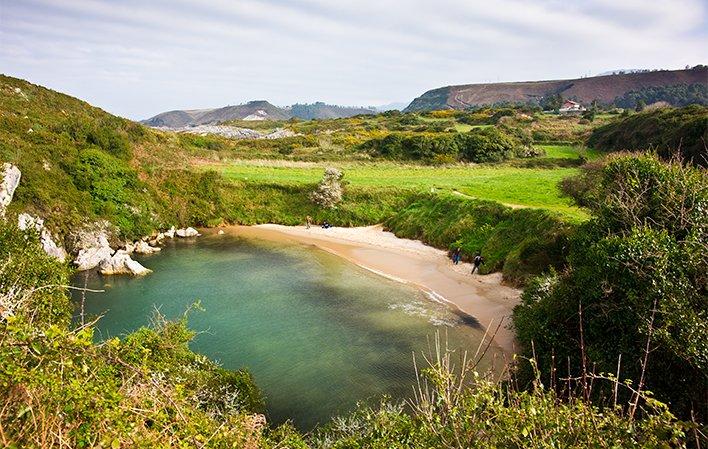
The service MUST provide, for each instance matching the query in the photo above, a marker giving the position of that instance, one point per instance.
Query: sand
(484, 298)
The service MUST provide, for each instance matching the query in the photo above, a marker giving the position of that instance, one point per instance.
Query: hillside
(253, 110)
(605, 89)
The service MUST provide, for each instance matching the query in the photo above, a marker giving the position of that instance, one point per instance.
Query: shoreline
(482, 297)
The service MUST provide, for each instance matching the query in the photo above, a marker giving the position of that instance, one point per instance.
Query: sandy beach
(482, 297)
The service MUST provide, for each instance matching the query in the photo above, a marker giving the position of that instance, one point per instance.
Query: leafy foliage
(520, 243)
(478, 145)
(677, 95)
(668, 131)
(637, 277)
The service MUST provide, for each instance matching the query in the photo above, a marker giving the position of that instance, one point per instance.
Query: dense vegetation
(478, 145)
(633, 300)
(670, 132)
(81, 164)
(677, 95)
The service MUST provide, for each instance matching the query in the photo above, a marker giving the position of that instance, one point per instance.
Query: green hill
(80, 163)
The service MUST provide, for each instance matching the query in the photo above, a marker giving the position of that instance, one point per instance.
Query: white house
(571, 107)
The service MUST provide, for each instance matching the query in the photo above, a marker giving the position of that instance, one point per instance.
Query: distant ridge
(253, 110)
(605, 89)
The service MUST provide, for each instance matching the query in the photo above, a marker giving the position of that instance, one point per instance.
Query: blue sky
(136, 58)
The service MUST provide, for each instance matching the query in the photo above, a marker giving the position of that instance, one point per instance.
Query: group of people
(477, 260)
(308, 223)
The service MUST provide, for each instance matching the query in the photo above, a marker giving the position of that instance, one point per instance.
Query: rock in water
(9, 182)
(189, 232)
(121, 263)
(27, 221)
(142, 247)
(171, 233)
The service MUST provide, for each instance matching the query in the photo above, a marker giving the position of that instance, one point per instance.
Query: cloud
(137, 58)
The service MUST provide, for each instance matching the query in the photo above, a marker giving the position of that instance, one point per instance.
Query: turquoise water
(318, 333)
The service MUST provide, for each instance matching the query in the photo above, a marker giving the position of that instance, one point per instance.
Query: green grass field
(568, 151)
(513, 186)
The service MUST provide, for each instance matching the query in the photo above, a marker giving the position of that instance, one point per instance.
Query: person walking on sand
(457, 255)
(308, 222)
(477, 261)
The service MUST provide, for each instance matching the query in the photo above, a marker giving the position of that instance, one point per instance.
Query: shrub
(669, 131)
(637, 277)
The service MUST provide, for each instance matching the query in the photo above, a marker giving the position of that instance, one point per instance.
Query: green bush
(478, 145)
(638, 273)
(670, 132)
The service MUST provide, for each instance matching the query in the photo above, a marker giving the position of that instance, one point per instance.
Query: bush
(478, 145)
(638, 274)
(668, 131)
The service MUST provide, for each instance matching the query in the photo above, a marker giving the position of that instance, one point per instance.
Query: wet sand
(482, 297)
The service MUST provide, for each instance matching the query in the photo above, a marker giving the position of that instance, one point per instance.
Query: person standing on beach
(308, 222)
(477, 261)
(457, 255)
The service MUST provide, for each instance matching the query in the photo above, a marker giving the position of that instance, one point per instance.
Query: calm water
(318, 333)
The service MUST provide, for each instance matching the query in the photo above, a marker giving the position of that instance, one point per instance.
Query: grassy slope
(80, 164)
(508, 185)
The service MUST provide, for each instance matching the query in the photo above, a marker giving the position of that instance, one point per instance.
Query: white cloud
(138, 58)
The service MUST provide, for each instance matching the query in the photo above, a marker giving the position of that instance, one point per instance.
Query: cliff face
(602, 88)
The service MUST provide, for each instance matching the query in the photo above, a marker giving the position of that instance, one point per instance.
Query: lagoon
(318, 333)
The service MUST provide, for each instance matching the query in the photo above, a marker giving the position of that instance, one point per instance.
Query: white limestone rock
(26, 221)
(121, 263)
(221, 232)
(142, 247)
(9, 182)
(170, 234)
(90, 258)
(188, 232)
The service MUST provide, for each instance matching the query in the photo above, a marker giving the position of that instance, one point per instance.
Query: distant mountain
(605, 89)
(253, 110)
(321, 110)
(395, 106)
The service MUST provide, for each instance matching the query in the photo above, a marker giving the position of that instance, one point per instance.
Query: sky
(137, 58)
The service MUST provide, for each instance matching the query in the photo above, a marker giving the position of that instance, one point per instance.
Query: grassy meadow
(512, 186)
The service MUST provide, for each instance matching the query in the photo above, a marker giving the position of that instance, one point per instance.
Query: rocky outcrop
(92, 245)
(8, 183)
(121, 263)
(188, 232)
(27, 221)
(90, 258)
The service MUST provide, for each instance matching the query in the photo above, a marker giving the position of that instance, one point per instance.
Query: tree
(552, 102)
(641, 104)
